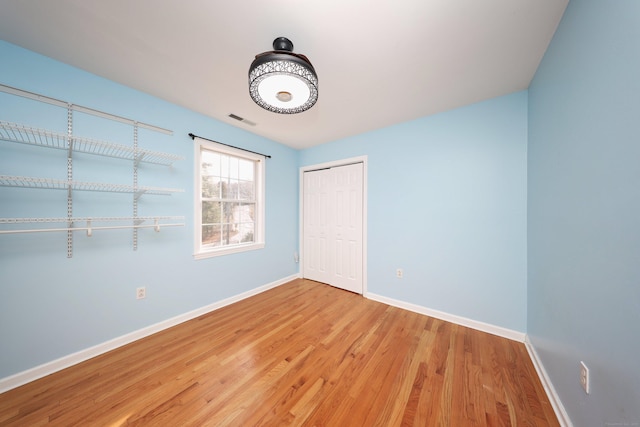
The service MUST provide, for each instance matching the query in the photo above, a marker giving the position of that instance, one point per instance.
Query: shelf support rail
(135, 183)
(70, 180)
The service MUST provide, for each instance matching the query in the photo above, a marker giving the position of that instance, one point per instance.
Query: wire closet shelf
(14, 132)
(156, 222)
(60, 184)
(70, 143)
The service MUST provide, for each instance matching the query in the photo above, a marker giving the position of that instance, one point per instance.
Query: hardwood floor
(303, 353)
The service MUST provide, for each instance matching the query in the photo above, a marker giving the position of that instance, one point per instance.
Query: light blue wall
(51, 306)
(447, 203)
(584, 210)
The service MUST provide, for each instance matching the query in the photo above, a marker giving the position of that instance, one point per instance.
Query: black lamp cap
(283, 43)
(283, 51)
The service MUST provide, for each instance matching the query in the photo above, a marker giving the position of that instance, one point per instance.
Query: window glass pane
(224, 165)
(211, 235)
(210, 187)
(246, 212)
(210, 163)
(246, 189)
(228, 234)
(233, 167)
(233, 189)
(211, 212)
(226, 190)
(246, 226)
(246, 232)
(247, 170)
(229, 210)
(252, 211)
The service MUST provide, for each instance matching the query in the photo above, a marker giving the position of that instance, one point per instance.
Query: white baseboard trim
(558, 407)
(459, 320)
(48, 368)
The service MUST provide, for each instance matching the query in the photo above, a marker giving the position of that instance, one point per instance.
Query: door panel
(316, 217)
(348, 227)
(332, 226)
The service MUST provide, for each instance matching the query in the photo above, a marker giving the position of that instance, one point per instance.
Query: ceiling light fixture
(282, 81)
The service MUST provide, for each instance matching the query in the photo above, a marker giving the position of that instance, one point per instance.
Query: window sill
(210, 253)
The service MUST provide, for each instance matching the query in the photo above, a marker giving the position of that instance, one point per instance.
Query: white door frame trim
(332, 164)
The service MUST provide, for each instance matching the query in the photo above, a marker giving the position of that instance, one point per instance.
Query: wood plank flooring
(302, 354)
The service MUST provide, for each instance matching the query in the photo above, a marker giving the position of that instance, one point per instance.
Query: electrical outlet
(399, 273)
(584, 377)
(141, 292)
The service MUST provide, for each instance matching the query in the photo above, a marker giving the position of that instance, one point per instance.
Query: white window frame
(202, 252)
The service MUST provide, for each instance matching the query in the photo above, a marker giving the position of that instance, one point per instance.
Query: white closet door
(346, 244)
(332, 216)
(316, 214)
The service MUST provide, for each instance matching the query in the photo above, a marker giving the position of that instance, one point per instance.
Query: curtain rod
(227, 145)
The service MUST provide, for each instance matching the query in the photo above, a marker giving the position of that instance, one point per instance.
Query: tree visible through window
(230, 200)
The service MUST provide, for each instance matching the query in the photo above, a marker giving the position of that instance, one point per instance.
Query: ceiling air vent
(241, 119)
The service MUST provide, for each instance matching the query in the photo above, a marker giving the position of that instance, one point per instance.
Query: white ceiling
(378, 62)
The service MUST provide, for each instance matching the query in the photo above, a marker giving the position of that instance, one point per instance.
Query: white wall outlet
(141, 292)
(584, 377)
(399, 273)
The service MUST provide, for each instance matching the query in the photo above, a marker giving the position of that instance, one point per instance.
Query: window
(229, 200)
